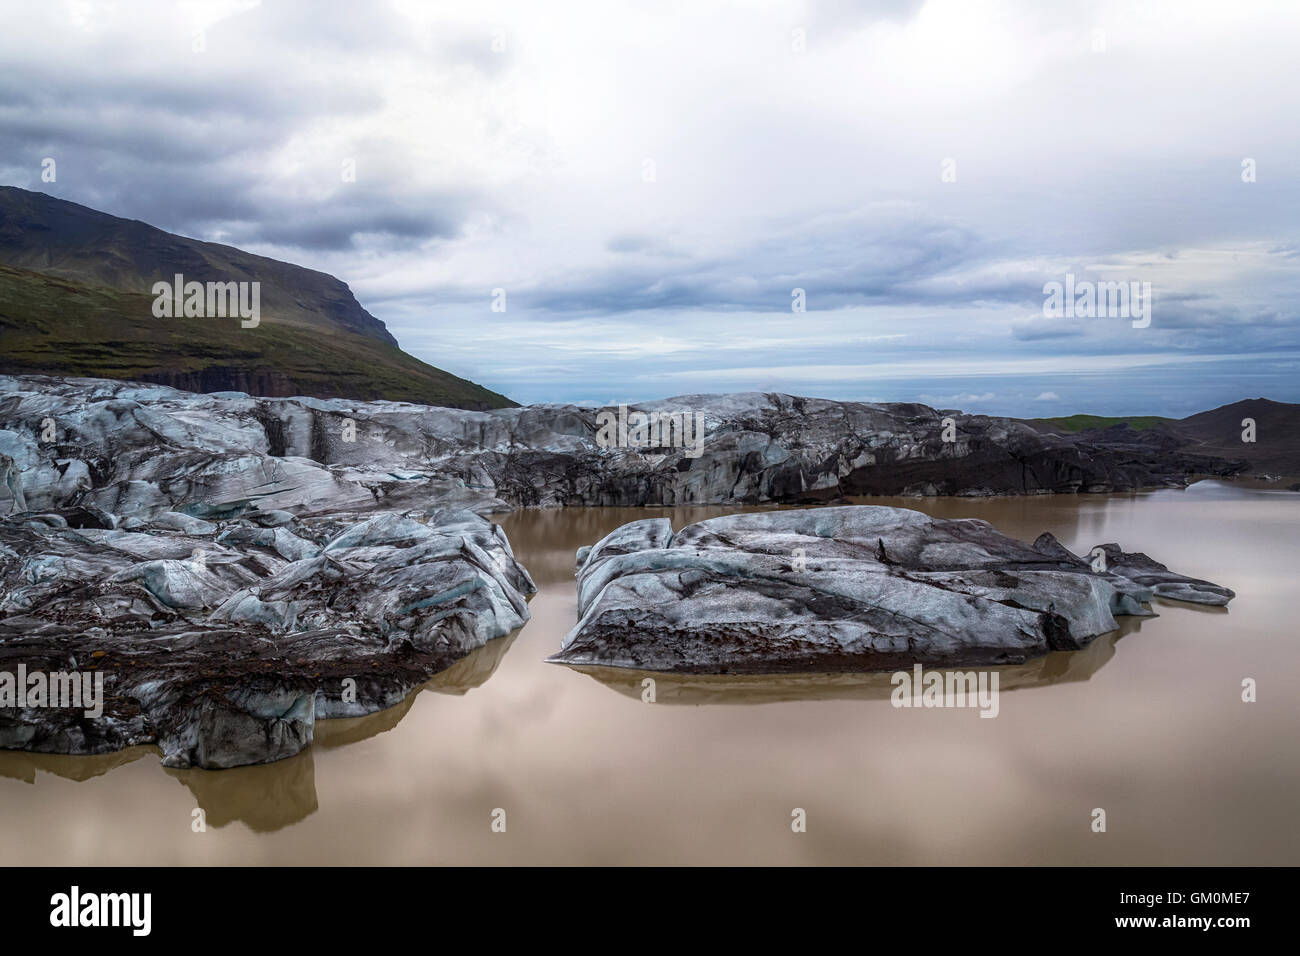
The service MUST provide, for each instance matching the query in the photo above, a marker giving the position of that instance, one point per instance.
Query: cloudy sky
(648, 182)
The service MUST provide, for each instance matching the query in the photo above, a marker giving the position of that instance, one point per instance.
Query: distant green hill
(1079, 423)
(1217, 433)
(75, 299)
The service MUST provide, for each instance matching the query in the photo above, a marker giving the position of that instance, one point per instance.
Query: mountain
(1276, 448)
(1216, 433)
(76, 299)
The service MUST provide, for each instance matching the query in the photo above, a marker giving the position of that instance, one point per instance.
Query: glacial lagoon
(1147, 722)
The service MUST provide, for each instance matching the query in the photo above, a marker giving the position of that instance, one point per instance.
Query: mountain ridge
(76, 299)
(1216, 432)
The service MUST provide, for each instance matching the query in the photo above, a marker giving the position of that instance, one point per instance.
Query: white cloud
(774, 169)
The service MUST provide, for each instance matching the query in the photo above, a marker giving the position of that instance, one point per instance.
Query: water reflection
(267, 797)
(469, 672)
(696, 689)
(20, 765)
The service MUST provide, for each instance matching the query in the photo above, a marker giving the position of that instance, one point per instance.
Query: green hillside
(61, 327)
(76, 299)
(1079, 423)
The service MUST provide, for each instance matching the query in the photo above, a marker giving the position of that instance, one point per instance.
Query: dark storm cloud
(207, 96)
(875, 258)
(180, 182)
(188, 142)
(341, 223)
(1041, 329)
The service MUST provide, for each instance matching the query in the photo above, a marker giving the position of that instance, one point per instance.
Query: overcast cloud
(504, 145)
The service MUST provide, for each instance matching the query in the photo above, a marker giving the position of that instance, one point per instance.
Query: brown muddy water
(1147, 723)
